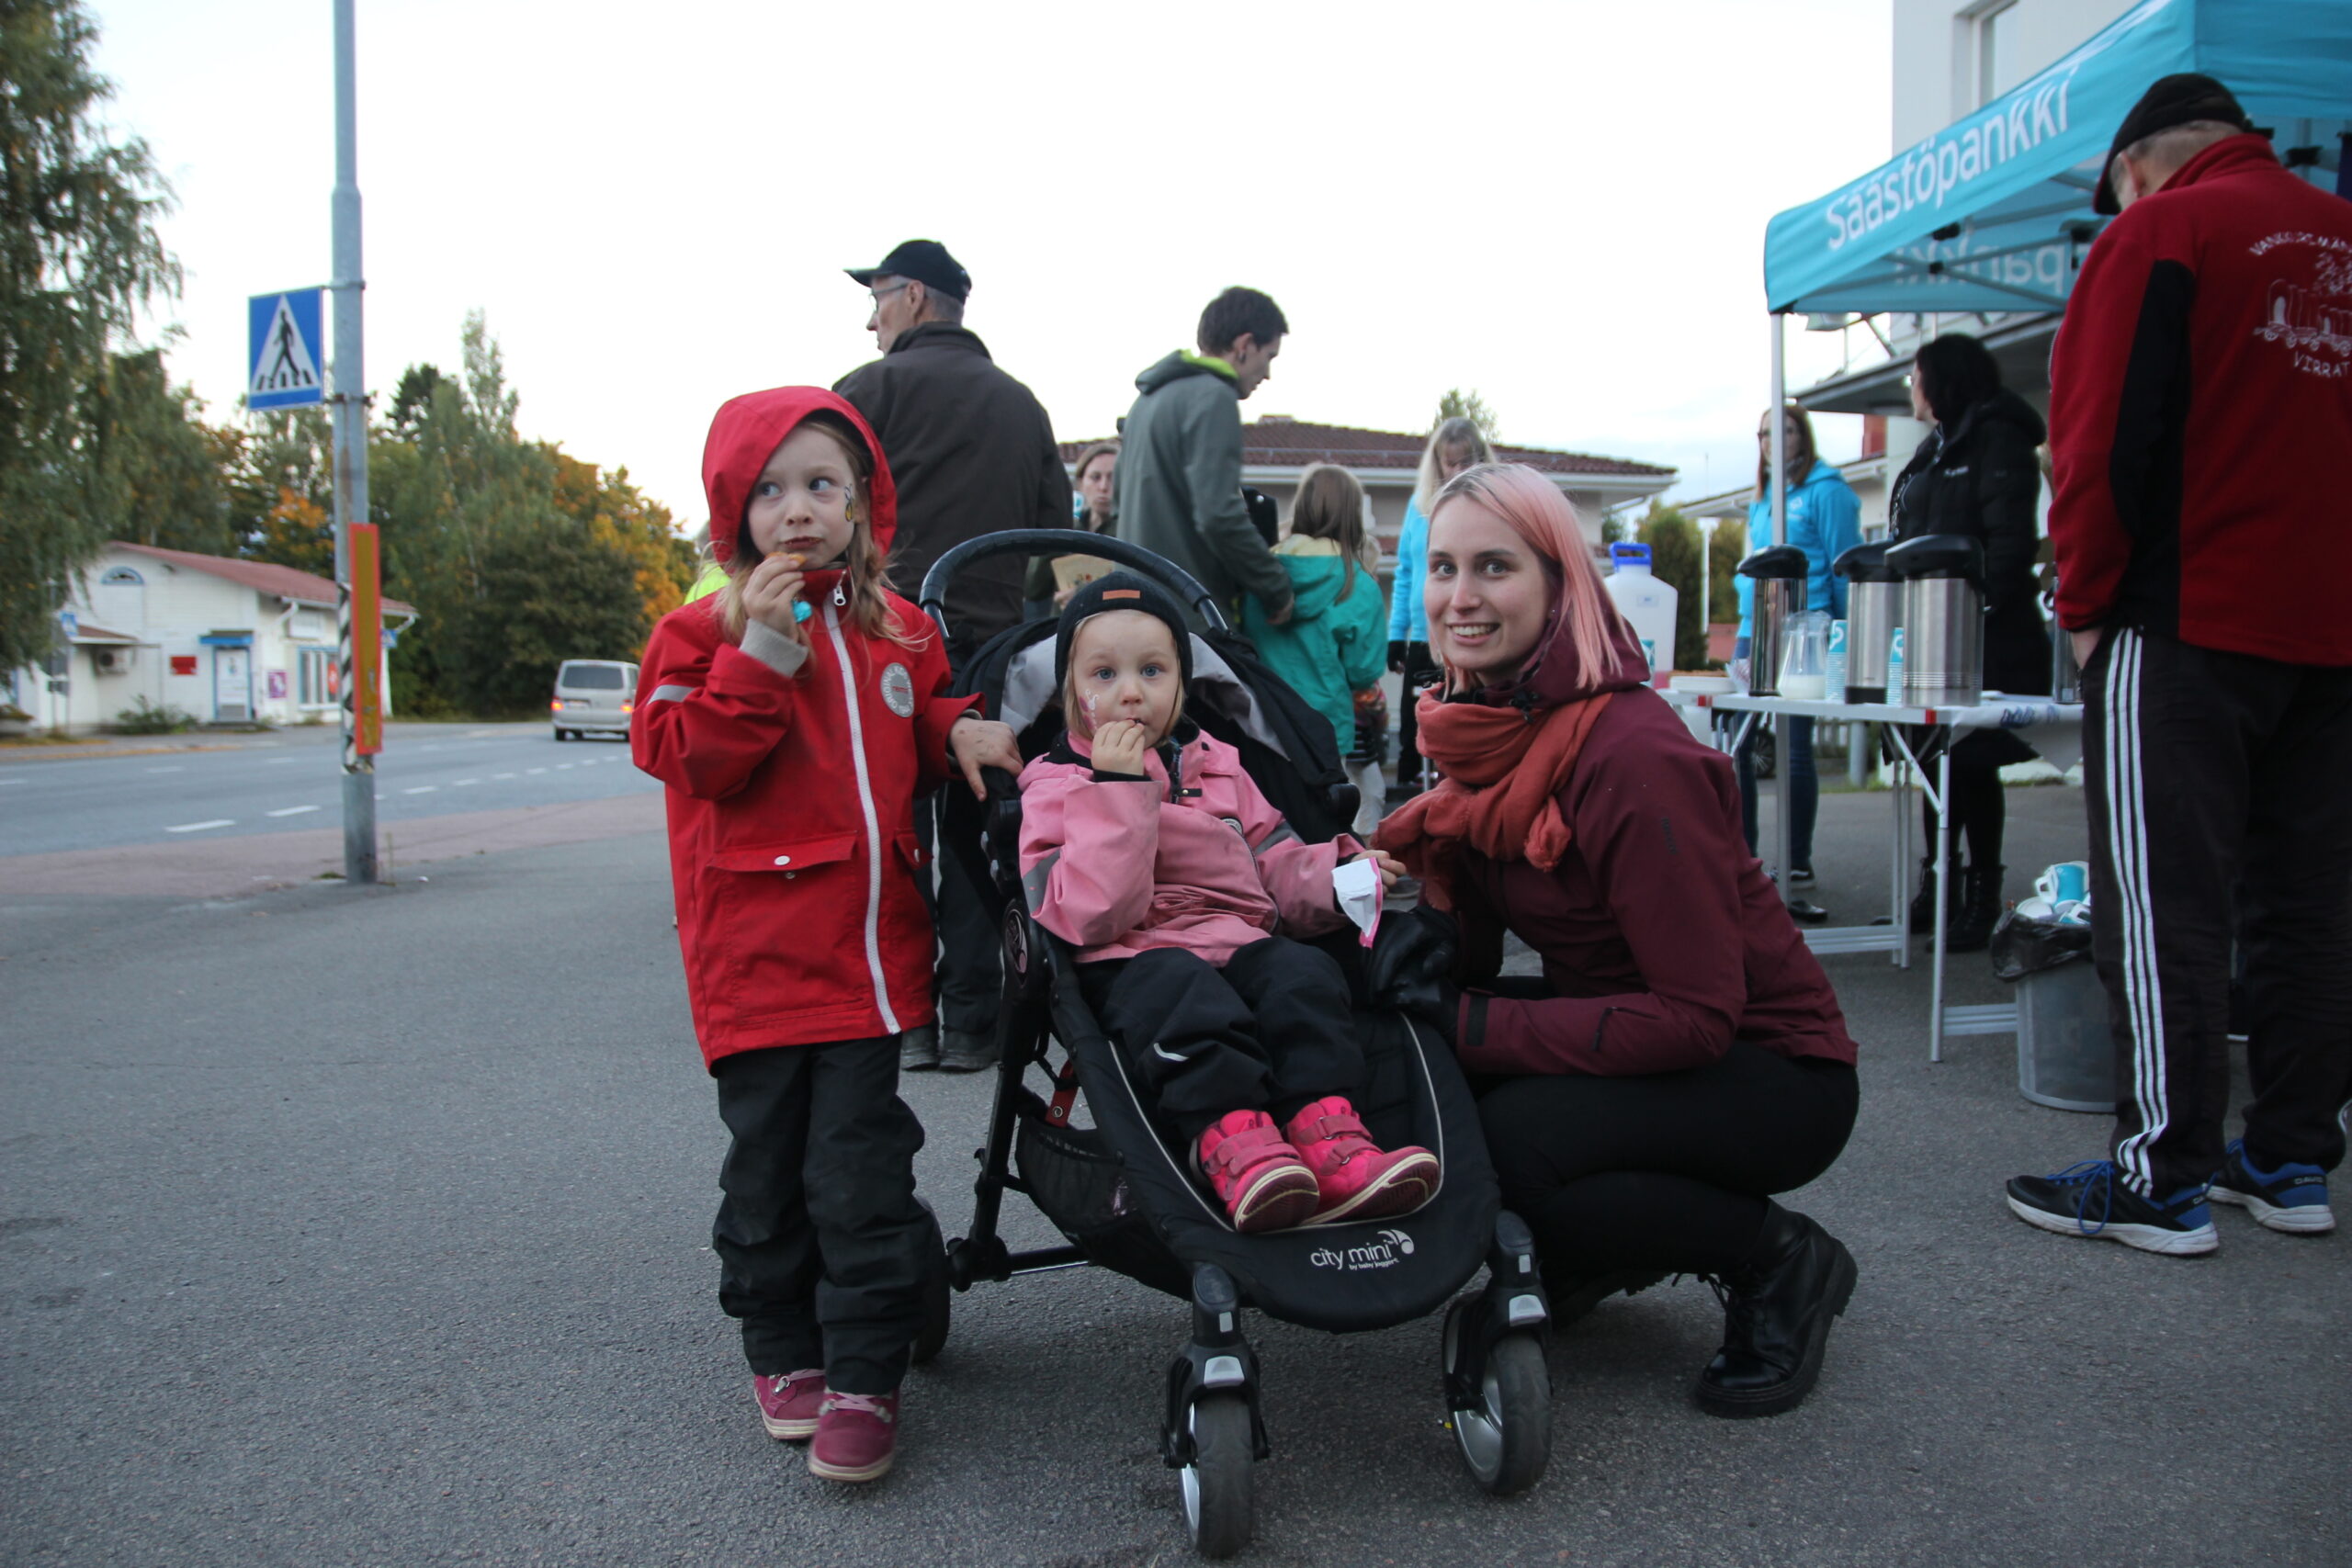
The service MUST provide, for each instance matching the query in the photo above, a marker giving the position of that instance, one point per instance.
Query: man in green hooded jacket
(1179, 488)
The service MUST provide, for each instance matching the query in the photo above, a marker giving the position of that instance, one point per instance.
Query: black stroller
(1129, 1202)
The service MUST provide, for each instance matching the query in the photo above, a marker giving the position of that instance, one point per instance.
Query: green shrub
(144, 717)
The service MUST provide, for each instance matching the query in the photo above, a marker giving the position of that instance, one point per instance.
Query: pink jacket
(1113, 867)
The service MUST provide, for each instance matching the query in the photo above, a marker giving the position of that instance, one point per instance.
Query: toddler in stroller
(1146, 847)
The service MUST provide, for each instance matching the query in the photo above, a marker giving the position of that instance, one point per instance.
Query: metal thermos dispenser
(1943, 619)
(1873, 609)
(1779, 576)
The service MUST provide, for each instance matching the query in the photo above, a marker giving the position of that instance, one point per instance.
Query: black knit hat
(1120, 590)
(2170, 101)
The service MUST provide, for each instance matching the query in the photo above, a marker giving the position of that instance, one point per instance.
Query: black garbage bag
(2026, 944)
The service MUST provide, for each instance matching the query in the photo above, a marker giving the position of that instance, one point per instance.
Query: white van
(593, 697)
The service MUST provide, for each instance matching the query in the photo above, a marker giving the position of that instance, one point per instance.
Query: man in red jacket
(2202, 422)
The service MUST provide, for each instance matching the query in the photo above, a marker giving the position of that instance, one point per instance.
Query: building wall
(171, 610)
(1938, 52)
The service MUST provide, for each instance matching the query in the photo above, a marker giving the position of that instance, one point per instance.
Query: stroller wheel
(932, 1337)
(1505, 1432)
(1219, 1502)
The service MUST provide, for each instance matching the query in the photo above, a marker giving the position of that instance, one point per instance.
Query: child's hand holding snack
(770, 595)
(1119, 747)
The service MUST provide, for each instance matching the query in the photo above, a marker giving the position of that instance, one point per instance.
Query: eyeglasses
(882, 294)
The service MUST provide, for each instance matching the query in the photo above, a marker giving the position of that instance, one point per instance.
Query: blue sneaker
(2087, 1199)
(2292, 1198)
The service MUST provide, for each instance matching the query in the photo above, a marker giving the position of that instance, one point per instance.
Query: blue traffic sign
(283, 343)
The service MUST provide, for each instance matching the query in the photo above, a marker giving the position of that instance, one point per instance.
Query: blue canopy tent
(1994, 211)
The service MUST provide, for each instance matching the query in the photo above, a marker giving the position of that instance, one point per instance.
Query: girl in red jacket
(1145, 846)
(794, 715)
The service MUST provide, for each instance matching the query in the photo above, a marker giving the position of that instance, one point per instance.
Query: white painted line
(15, 780)
(421, 789)
(535, 770)
(171, 770)
(200, 826)
(289, 811)
(478, 734)
(562, 767)
(493, 776)
(463, 783)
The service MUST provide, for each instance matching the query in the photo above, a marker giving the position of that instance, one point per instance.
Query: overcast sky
(1561, 205)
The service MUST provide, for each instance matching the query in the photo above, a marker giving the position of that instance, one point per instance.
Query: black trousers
(1980, 812)
(969, 979)
(820, 1244)
(1421, 671)
(1272, 1031)
(1667, 1172)
(2207, 774)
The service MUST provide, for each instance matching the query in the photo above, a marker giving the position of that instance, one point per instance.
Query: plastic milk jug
(1649, 602)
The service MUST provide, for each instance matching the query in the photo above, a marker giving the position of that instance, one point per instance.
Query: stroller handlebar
(1060, 541)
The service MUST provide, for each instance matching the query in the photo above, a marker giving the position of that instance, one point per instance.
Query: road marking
(289, 811)
(171, 770)
(200, 826)
(478, 734)
(561, 767)
(463, 783)
(421, 789)
(535, 770)
(493, 776)
(15, 780)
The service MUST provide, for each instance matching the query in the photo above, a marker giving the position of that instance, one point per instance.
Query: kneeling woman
(1684, 1057)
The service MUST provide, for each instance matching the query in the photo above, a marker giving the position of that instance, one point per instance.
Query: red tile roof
(1293, 443)
(283, 581)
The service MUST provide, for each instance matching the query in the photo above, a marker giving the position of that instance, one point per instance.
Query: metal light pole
(351, 473)
(1707, 526)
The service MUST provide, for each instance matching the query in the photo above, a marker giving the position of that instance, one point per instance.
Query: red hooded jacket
(793, 771)
(2201, 414)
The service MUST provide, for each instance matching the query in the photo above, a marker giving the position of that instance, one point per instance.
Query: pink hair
(1543, 520)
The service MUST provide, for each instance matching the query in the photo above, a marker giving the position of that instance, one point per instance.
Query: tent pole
(1779, 429)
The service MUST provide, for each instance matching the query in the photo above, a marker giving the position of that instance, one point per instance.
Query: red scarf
(1504, 768)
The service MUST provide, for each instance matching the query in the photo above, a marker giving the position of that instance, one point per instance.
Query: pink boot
(789, 1402)
(1258, 1177)
(1357, 1179)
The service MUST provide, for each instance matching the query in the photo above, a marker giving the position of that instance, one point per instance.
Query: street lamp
(1707, 526)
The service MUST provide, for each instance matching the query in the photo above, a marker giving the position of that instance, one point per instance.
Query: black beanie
(1120, 590)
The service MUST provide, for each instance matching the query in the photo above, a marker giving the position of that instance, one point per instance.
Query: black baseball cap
(2174, 100)
(925, 261)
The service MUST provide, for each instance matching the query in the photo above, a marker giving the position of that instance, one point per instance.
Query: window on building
(124, 574)
(1993, 44)
(314, 677)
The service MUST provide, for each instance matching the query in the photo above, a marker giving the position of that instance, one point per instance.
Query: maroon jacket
(1661, 938)
(2201, 395)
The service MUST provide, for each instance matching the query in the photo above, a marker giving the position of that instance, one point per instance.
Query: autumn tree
(1459, 403)
(79, 258)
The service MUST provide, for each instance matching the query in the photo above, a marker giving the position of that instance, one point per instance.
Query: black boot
(1777, 1311)
(1980, 908)
(1923, 903)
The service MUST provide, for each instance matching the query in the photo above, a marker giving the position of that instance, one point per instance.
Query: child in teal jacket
(1334, 645)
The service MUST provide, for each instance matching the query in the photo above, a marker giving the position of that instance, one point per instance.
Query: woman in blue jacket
(1456, 443)
(1824, 520)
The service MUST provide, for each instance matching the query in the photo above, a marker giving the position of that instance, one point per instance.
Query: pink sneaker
(1259, 1179)
(1357, 1180)
(789, 1402)
(855, 1433)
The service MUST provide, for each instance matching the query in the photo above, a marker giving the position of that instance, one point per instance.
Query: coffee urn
(1779, 575)
(1873, 609)
(1943, 619)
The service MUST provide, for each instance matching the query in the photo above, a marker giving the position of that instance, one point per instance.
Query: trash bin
(2065, 1050)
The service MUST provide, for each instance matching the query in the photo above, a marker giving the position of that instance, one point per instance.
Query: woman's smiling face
(1487, 594)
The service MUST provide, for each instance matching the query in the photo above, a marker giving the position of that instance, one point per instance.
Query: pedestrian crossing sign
(282, 350)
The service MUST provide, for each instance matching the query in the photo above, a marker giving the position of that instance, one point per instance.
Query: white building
(1952, 58)
(224, 641)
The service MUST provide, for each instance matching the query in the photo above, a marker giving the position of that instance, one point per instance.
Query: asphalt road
(345, 1227)
(291, 781)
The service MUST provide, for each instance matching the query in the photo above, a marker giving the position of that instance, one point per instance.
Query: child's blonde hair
(1331, 506)
(869, 608)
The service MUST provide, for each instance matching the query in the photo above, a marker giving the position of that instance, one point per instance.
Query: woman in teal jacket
(1330, 647)
(1456, 443)
(1825, 518)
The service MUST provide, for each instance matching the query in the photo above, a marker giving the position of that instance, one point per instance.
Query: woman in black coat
(1977, 474)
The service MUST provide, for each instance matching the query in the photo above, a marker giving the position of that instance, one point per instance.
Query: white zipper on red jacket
(872, 822)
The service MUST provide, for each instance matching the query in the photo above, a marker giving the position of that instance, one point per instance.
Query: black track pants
(1272, 1031)
(1979, 810)
(1667, 1172)
(2206, 771)
(820, 1242)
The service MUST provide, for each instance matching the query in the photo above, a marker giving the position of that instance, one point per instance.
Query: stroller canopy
(1994, 211)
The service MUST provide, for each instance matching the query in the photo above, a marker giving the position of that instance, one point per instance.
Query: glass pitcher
(1804, 657)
